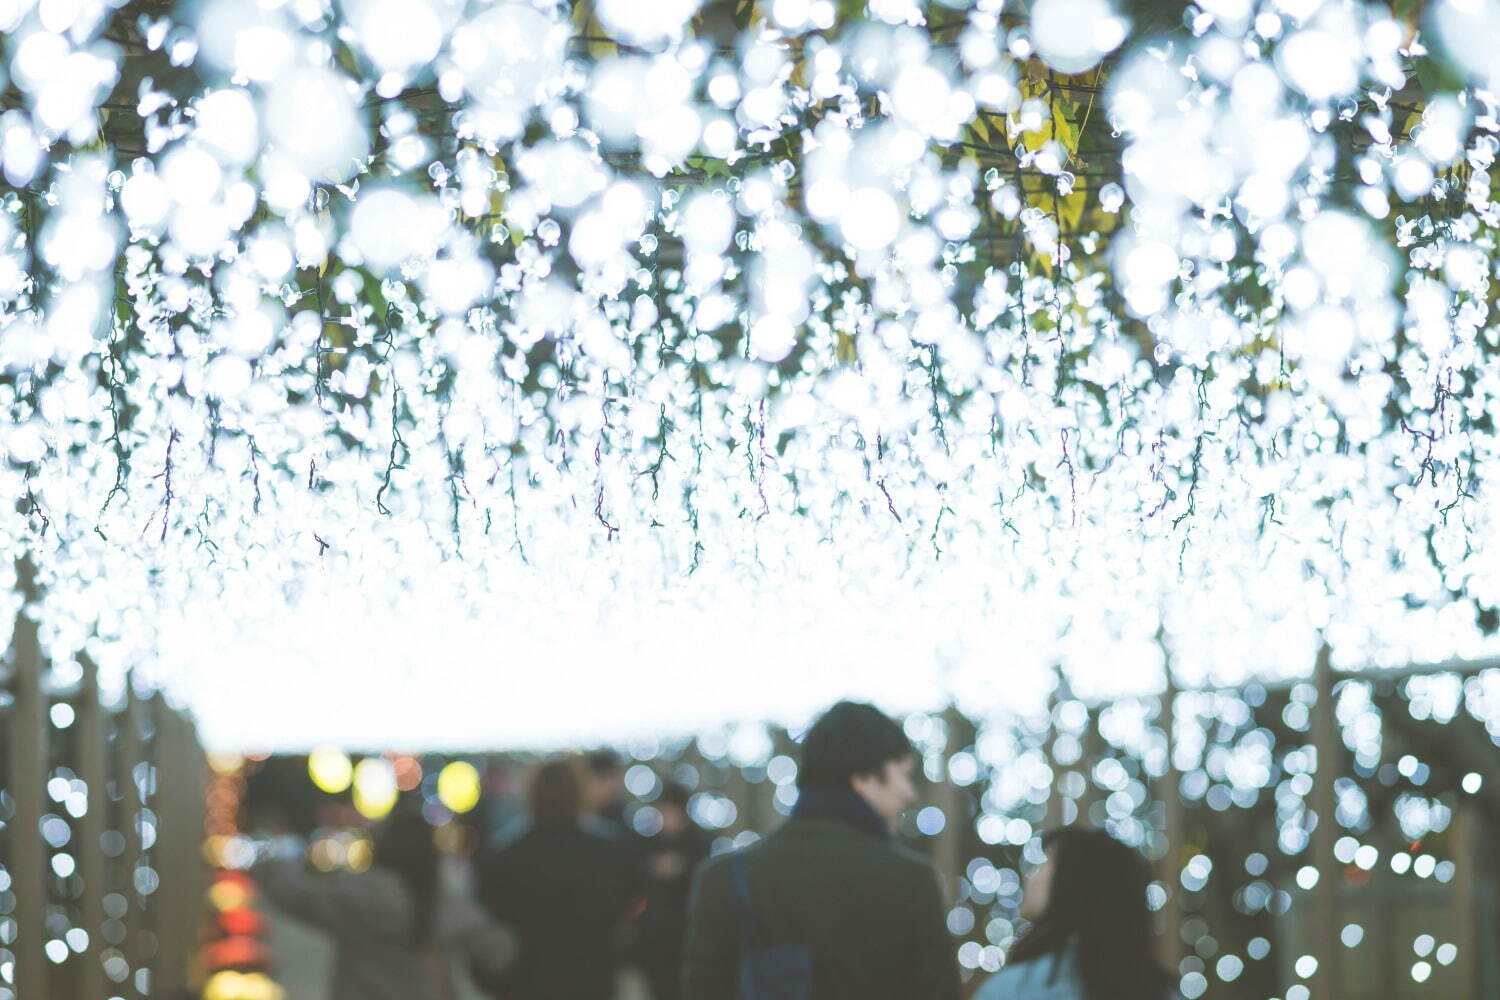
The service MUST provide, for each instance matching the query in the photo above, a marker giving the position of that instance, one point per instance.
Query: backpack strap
(739, 879)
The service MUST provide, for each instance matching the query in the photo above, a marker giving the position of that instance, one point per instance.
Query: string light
(774, 365)
(1231, 368)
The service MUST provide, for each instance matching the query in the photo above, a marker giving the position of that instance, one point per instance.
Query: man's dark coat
(871, 912)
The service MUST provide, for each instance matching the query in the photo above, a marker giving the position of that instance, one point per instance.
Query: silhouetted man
(828, 907)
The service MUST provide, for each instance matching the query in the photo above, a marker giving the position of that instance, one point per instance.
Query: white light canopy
(989, 337)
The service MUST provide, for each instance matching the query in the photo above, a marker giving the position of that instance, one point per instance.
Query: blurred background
(1222, 788)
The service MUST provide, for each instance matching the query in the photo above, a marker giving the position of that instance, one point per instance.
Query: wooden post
(93, 769)
(156, 742)
(947, 850)
(171, 863)
(1092, 745)
(202, 874)
(1466, 919)
(28, 762)
(761, 810)
(740, 792)
(768, 818)
(178, 854)
(948, 844)
(1323, 936)
(131, 749)
(1054, 812)
(1174, 822)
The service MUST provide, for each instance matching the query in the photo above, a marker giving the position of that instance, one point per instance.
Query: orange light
(242, 920)
(408, 773)
(235, 953)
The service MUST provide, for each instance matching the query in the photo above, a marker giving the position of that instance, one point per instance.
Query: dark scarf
(842, 805)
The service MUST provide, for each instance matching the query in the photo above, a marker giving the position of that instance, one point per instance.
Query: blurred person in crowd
(502, 808)
(1090, 936)
(608, 812)
(398, 926)
(567, 890)
(670, 857)
(827, 906)
(604, 795)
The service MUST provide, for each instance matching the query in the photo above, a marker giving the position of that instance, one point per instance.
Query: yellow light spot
(213, 850)
(374, 787)
(329, 770)
(226, 762)
(326, 853)
(228, 895)
(361, 852)
(458, 786)
(229, 985)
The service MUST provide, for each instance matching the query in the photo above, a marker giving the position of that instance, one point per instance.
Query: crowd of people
(827, 906)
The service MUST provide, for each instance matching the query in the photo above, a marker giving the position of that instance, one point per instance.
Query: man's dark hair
(556, 793)
(603, 762)
(674, 793)
(851, 738)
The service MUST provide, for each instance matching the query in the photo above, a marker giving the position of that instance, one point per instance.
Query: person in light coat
(399, 927)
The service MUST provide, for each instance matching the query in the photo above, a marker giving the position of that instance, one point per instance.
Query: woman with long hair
(1090, 936)
(568, 887)
(398, 927)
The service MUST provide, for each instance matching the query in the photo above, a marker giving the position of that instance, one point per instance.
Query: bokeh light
(375, 791)
(330, 770)
(458, 786)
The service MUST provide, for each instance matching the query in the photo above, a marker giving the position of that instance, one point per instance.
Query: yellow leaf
(846, 350)
(1056, 126)
(1070, 210)
(588, 26)
(1066, 212)
(799, 73)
